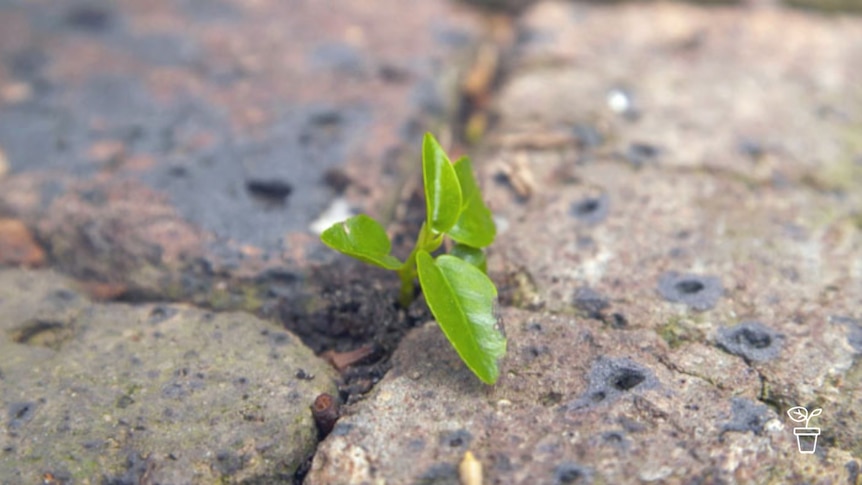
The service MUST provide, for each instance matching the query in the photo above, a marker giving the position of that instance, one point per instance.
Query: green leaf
(462, 300)
(475, 226)
(474, 256)
(362, 238)
(442, 190)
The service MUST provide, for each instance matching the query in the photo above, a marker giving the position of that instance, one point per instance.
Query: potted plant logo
(806, 438)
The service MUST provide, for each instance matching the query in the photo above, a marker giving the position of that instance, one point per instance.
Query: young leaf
(442, 190)
(472, 255)
(475, 226)
(461, 298)
(362, 238)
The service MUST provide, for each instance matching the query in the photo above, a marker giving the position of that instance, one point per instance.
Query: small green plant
(456, 287)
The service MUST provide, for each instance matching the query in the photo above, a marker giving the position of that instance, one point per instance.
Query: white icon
(806, 438)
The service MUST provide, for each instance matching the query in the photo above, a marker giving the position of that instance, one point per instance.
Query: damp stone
(571, 473)
(591, 210)
(698, 292)
(854, 330)
(456, 439)
(590, 302)
(753, 341)
(746, 416)
(610, 379)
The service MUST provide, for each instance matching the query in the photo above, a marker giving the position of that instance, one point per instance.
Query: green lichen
(675, 332)
(845, 173)
(251, 298)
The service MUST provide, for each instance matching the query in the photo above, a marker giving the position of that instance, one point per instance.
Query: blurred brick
(139, 136)
(17, 246)
(828, 5)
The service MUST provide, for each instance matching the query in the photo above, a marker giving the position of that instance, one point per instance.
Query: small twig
(343, 360)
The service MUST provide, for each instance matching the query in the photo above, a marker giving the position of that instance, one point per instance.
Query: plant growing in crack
(456, 287)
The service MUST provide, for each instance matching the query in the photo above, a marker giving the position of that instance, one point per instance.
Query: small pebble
(470, 470)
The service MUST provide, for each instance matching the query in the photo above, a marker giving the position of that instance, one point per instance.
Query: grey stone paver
(148, 393)
(617, 406)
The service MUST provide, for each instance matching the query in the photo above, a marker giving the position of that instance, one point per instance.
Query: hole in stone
(271, 190)
(627, 379)
(64, 295)
(27, 63)
(618, 320)
(750, 340)
(591, 210)
(457, 438)
(586, 207)
(20, 413)
(639, 154)
(42, 333)
(590, 302)
(326, 118)
(567, 473)
(689, 287)
(161, 313)
(697, 291)
(758, 340)
(598, 396)
(550, 399)
(91, 18)
(747, 416)
(337, 179)
(440, 473)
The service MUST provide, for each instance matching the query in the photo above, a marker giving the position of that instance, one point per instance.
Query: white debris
(337, 211)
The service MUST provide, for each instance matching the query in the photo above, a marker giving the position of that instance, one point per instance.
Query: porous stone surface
(679, 259)
(181, 150)
(112, 393)
(578, 402)
(697, 171)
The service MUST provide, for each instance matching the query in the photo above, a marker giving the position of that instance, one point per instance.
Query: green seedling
(456, 286)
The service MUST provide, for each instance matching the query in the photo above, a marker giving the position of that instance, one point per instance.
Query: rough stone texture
(147, 394)
(654, 421)
(828, 5)
(752, 341)
(637, 141)
(778, 228)
(191, 143)
(664, 175)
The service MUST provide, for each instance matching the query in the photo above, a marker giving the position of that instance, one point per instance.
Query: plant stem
(425, 240)
(406, 296)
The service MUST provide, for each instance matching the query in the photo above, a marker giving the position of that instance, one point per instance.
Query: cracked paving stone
(698, 208)
(662, 424)
(116, 393)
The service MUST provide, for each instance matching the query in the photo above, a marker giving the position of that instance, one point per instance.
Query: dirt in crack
(348, 314)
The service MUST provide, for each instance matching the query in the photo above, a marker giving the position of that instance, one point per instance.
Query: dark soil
(346, 306)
